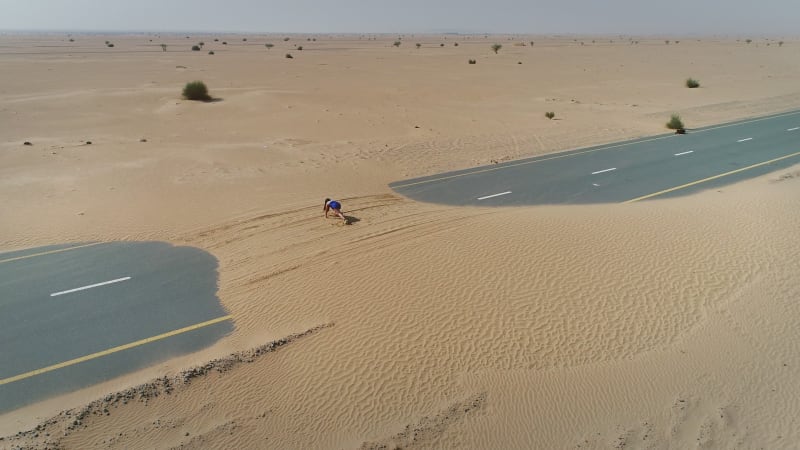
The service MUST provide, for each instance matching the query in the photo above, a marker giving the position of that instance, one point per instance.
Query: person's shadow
(351, 220)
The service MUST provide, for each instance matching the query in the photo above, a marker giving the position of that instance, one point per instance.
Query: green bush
(397, 43)
(195, 48)
(110, 45)
(497, 47)
(211, 52)
(675, 123)
(472, 61)
(289, 56)
(692, 83)
(550, 115)
(196, 90)
(300, 47)
(268, 45)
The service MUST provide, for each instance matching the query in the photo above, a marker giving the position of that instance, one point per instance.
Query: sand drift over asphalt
(649, 325)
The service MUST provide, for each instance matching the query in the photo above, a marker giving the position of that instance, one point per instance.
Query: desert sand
(658, 324)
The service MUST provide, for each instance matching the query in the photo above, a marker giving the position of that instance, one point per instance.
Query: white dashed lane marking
(745, 140)
(494, 195)
(54, 294)
(684, 153)
(606, 170)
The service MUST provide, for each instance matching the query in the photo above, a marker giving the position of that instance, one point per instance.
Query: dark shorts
(335, 205)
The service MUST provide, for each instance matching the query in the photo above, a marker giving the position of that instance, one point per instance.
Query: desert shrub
(675, 123)
(748, 40)
(300, 47)
(110, 45)
(107, 42)
(164, 47)
(531, 43)
(677, 42)
(455, 44)
(289, 56)
(71, 40)
(497, 47)
(397, 43)
(314, 39)
(692, 83)
(780, 44)
(244, 39)
(666, 42)
(418, 45)
(224, 43)
(195, 48)
(211, 52)
(286, 39)
(550, 115)
(201, 43)
(472, 61)
(196, 90)
(216, 40)
(269, 45)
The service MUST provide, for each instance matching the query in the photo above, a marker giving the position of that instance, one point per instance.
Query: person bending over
(334, 207)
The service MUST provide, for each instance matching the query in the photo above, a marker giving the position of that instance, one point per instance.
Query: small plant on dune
(397, 43)
(244, 39)
(666, 42)
(201, 43)
(211, 52)
(455, 44)
(441, 45)
(216, 40)
(110, 45)
(550, 115)
(496, 47)
(748, 40)
(286, 39)
(268, 45)
(71, 40)
(289, 56)
(675, 123)
(300, 47)
(780, 44)
(195, 48)
(107, 42)
(418, 45)
(692, 83)
(163, 47)
(472, 61)
(196, 90)
(224, 43)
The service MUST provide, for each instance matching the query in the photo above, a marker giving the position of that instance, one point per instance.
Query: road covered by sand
(668, 323)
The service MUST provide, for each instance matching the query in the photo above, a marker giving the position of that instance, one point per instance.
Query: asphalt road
(75, 315)
(641, 169)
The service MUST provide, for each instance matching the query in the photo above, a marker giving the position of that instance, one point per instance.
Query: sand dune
(659, 324)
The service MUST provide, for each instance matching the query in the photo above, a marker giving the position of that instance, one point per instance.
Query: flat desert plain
(658, 324)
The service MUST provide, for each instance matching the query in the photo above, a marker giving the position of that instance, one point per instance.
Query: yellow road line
(524, 163)
(49, 252)
(112, 350)
(709, 178)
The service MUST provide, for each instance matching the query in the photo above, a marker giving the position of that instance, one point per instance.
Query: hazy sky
(735, 17)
